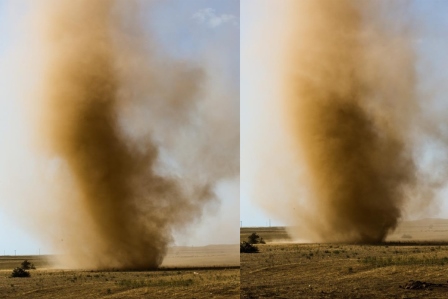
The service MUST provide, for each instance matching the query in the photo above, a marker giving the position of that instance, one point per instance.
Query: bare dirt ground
(207, 256)
(187, 272)
(292, 270)
(426, 230)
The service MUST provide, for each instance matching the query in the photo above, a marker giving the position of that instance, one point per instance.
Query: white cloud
(209, 17)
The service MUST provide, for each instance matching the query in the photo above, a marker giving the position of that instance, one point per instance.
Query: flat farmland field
(269, 234)
(286, 269)
(188, 272)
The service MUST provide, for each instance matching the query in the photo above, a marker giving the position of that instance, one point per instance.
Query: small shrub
(246, 247)
(19, 272)
(25, 265)
(254, 238)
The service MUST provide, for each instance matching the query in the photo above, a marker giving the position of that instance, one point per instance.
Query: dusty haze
(352, 102)
(346, 162)
(124, 133)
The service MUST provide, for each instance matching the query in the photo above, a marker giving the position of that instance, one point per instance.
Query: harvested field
(403, 268)
(194, 276)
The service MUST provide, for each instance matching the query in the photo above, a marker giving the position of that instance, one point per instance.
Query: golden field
(187, 272)
(416, 251)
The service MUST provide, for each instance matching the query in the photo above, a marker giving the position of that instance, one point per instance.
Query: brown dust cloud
(352, 115)
(107, 99)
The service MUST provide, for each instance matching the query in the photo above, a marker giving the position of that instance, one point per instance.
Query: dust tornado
(117, 203)
(350, 104)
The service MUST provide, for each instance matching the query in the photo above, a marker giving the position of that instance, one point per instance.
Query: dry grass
(204, 281)
(343, 270)
(182, 283)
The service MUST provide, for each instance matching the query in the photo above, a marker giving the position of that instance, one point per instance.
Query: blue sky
(200, 31)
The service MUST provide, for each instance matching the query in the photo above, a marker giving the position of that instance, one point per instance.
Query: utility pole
(241, 223)
(15, 253)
